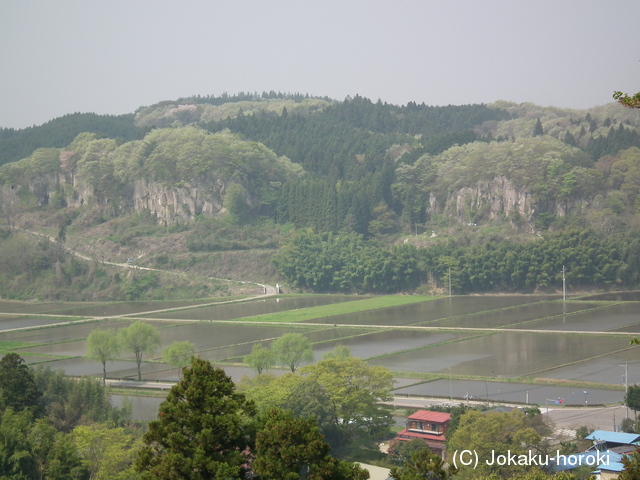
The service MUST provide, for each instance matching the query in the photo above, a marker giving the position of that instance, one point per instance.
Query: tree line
(139, 338)
(325, 262)
(16, 144)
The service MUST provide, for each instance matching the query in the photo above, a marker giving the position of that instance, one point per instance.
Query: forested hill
(351, 138)
(351, 171)
(60, 132)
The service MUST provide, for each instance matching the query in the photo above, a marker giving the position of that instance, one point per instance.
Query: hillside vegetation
(344, 196)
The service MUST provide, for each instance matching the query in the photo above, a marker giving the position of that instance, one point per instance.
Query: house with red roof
(427, 426)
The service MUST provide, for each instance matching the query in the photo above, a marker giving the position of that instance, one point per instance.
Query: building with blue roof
(595, 459)
(614, 439)
(610, 472)
(605, 456)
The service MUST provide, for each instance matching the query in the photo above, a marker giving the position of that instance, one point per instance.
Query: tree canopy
(179, 354)
(18, 389)
(631, 101)
(102, 345)
(491, 433)
(290, 448)
(292, 350)
(202, 430)
(139, 338)
(261, 358)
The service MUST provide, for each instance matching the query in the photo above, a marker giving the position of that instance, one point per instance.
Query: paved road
(603, 418)
(600, 418)
(143, 384)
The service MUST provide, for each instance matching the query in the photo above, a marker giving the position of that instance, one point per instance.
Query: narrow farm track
(269, 290)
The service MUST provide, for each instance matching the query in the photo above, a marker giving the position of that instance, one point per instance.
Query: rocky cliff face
(482, 202)
(174, 204)
(490, 200)
(498, 198)
(170, 205)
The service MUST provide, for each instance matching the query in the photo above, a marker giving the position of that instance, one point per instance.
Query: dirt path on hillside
(267, 290)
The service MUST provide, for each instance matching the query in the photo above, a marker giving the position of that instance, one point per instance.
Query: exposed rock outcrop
(498, 198)
(174, 204)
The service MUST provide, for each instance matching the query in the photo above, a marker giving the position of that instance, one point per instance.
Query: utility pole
(449, 281)
(626, 383)
(564, 286)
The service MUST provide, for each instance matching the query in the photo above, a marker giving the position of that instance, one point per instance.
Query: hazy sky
(113, 56)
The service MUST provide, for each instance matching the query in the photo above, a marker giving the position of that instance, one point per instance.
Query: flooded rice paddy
(590, 317)
(509, 354)
(8, 322)
(256, 307)
(424, 312)
(460, 340)
(524, 393)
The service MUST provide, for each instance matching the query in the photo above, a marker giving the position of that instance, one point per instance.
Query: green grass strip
(7, 346)
(335, 309)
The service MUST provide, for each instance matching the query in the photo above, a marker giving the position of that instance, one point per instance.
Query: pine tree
(538, 131)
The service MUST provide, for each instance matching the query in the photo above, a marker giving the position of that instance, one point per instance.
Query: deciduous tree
(179, 354)
(340, 352)
(632, 397)
(139, 338)
(491, 434)
(292, 350)
(260, 359)
(16, 458)
(102, 345)
(107, 452)
(355, 390)
(631, 101)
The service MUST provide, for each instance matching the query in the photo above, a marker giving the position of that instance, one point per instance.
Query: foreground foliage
(207, 430)
(341, 392)
(491, 433)
(60, 428)
(289, 448)
(202, 429)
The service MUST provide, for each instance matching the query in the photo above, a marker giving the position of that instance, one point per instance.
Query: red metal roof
(429, 416)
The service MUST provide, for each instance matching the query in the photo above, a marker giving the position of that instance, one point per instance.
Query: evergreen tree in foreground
(202, 431)
(18, 389)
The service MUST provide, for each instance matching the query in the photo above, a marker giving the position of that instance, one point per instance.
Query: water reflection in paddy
(8, 322)
(617, 296)
(384, 342)
(432, 310)
(599, 320)
(510, 354)
(511, 316)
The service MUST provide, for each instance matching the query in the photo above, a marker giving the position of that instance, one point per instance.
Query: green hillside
(329, 195)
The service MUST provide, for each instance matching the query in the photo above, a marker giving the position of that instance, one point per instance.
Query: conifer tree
(18, 389)
(538, 131)
(202, 431)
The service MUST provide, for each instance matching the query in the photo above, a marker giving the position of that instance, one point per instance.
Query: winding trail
(268, 291)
